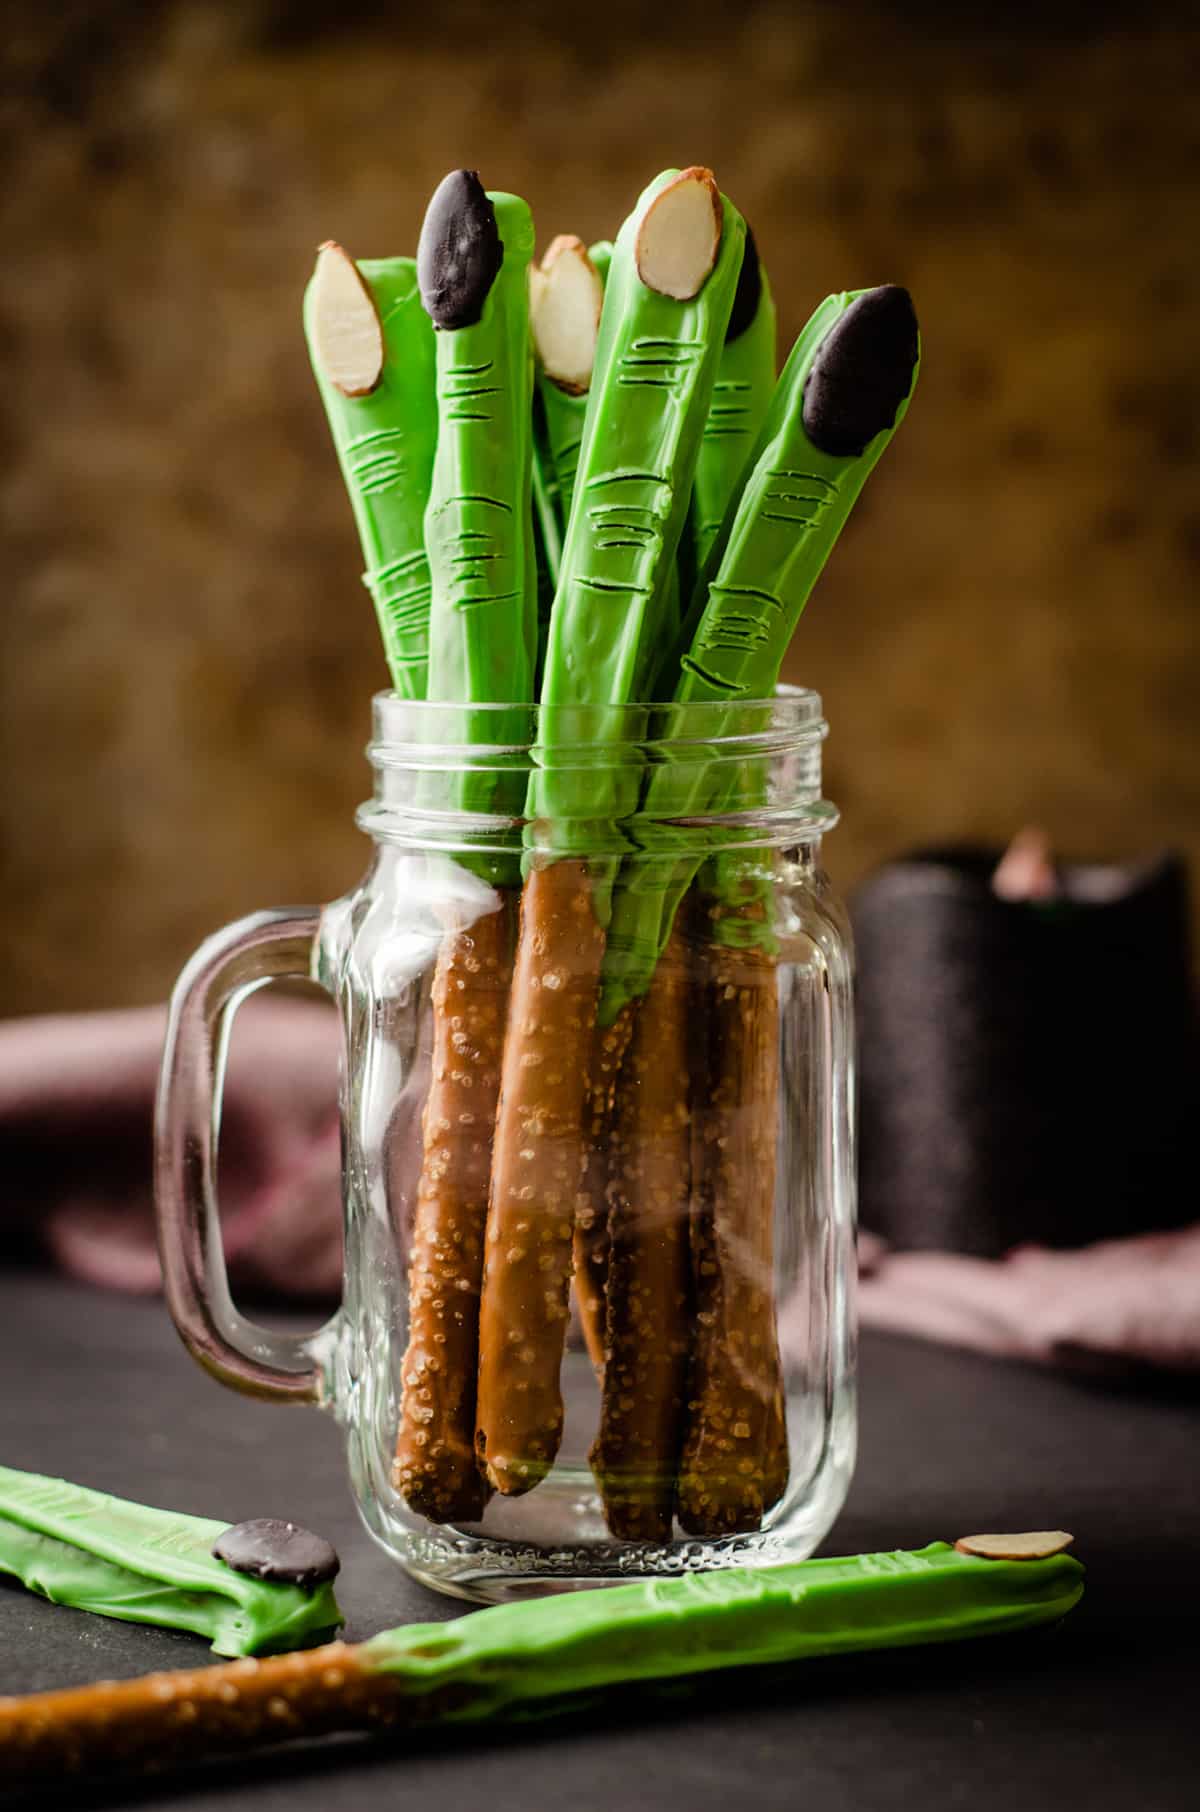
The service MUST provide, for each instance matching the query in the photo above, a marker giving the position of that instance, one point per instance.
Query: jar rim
(583, 777)
(406, 728)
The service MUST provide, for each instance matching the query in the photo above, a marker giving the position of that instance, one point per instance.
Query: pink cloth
(76, 1100)
(1113, 1306)
(76, 1105)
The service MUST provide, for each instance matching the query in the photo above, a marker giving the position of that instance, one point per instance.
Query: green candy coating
(564, 417)
(773, 547)
(775, 539)
(385, 445)
(558, 418)
(656, 363)
(547, 533)
(118, 1559)
(478, 530)
(483, 631)
(524, 1659)
(741, 398)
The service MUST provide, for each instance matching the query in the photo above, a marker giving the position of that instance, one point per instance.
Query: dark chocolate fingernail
(748, 292)
(269, 1549)
(459, 252)
(862, 373)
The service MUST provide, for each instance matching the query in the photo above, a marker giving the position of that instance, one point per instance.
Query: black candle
(1028, 1065)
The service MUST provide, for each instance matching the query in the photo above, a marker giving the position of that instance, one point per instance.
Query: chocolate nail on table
(1096, 1714)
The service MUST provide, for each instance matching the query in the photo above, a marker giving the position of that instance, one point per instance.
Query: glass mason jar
(598, 1146)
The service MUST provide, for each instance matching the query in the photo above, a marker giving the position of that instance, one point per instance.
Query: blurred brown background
(1008, 630)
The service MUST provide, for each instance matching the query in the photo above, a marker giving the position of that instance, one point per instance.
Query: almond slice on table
(565, 298)
(679, 235)
(347, 333)
(1034, 1544)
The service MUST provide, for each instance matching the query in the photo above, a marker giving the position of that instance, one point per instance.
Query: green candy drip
(117, 1559)
(385, 445)
(773, 545)
(741, 397)
(656, 362)
(524, 1659)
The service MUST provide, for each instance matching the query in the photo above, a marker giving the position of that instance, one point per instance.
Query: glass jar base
(485, 1570)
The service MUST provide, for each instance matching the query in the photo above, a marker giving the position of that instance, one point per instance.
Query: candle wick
(1026, 870)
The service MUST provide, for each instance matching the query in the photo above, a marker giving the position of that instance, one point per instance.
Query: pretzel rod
(644, 1131)
(472, 262)
(372, 353)
(648, 1295)
(533, 1657)
(669, 293)
(536, 1171)
(735, 1387)
(609, 1044)
(566, 296)
(434, 1467)
(850, 380)
(745, 379)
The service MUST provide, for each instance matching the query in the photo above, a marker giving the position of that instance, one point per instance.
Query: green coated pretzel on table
(84, 1548)
(540, 1657)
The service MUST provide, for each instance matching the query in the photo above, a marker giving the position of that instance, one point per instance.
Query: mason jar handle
(229, 966)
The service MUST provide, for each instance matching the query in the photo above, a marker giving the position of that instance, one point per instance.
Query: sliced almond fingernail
(1034, 1544)
(565, 298)
(347, 335)
(679, 235)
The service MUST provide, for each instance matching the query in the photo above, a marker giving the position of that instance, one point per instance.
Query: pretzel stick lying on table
(472, 262)
(529, 1659)
(670, 290)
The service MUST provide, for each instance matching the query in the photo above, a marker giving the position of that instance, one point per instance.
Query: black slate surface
(1098, 1714)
